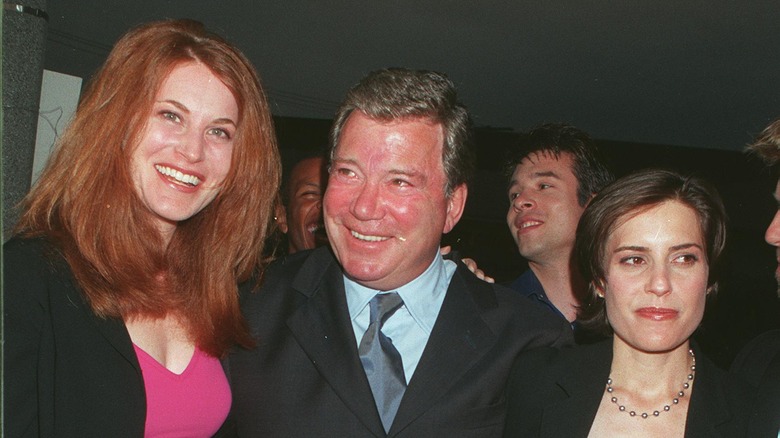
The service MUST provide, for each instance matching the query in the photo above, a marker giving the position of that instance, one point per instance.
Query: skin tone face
(386, 206)
(305, 229)
(656, 278)
(185, 151)
(772, 235)
(544, 211)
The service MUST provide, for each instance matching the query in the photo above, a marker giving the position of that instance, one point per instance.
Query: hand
(471, 264)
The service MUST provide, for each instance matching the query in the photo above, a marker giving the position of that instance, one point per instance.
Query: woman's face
(656, 277)
(185, 151)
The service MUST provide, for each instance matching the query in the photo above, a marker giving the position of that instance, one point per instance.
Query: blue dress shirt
(410, 326)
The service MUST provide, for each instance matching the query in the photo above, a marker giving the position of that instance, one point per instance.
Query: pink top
(194, 403)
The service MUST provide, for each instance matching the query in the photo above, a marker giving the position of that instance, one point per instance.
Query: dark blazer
(305, 377)
(67, 372)
(759, 364)
(556, 393)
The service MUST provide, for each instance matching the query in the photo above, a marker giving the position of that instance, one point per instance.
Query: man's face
(304, 210)
(544, 211)
(772, 235)
(386, 206)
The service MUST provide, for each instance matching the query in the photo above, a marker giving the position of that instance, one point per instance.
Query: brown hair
(630, 196)
(86, 204)
(397, 93)
(767, 146)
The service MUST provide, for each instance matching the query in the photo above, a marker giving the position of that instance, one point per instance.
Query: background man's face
(305, 228)
(772, 234)
(544, 210)
(386, 206)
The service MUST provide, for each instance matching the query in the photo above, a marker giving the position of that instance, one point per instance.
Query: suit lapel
(322, 327)
(112, 329)
(459, 339)
(584, 378)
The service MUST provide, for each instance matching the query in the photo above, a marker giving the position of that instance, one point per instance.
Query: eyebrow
(546, 173)
(184, 109)
(645, 249)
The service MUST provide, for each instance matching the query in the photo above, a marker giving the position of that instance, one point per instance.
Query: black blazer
(556, 393)
(67, 372)
(759, 364)
(305, 377)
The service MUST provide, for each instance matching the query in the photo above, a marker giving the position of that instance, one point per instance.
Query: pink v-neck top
(194, 403)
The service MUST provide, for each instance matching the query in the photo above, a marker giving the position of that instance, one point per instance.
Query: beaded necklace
(666, 408)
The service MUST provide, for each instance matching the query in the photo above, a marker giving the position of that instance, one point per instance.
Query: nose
(192, 147)
(772, 235)
(659, 282)
(367, 205)
(523, 202)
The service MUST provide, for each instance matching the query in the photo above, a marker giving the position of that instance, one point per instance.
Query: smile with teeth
(357, 235)
(529, 224)
(182, 178)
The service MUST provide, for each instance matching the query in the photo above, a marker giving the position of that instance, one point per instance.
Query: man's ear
(456, 203)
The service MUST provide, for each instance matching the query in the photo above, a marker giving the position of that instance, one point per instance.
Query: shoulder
(284, 284)
(753, 360)
(515, 311)
(30, 265)
(550, 363)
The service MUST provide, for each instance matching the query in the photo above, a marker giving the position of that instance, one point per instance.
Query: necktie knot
(383, 306)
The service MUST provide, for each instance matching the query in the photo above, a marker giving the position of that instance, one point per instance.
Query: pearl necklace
(666, 408)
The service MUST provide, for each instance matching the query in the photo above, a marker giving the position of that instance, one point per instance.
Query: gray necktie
(381, 361)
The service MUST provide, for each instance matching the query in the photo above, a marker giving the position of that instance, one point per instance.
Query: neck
(631, 368)
(560, 283)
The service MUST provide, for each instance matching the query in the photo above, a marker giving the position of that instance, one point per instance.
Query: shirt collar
(418, 295)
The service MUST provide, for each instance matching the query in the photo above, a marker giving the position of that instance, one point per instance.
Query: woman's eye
(171, 116)
(687, 259)
(631, 260)
(219, 132)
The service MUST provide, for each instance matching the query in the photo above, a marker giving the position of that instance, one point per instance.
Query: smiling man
(553, 175)
(380, 336)
(300, 217)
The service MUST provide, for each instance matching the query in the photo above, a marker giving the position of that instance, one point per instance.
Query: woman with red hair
(121, 280)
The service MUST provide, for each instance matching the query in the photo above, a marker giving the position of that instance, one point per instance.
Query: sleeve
(24, 312)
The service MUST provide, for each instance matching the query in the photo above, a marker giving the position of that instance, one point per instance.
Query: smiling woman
(121, 281)
(647, 245)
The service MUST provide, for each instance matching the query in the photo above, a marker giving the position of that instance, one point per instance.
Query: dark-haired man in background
(555, 172)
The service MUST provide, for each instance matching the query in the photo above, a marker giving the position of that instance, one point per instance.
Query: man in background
(555, 172)
(299, 216)
(759, 361)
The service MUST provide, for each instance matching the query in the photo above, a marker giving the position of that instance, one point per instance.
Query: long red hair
(86, 204)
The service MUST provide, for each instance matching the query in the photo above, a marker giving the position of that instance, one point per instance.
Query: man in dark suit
(759, 361)
(379, 335)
